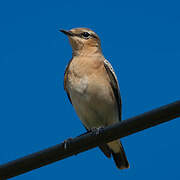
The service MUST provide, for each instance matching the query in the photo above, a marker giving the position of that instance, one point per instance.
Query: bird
(92, 88)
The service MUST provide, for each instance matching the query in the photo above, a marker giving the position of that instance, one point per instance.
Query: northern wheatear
(92, 88)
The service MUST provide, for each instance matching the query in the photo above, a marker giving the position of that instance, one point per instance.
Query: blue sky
(141, 39)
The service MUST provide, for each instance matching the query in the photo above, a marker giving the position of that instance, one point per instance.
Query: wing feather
(114, 85)
(65, 80)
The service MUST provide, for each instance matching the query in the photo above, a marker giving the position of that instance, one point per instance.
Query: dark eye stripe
(94, 36)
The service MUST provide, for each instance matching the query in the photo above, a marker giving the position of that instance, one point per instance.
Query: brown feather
(114, 85)
(65, 80)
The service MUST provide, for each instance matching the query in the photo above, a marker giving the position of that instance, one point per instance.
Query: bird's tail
(120, 157)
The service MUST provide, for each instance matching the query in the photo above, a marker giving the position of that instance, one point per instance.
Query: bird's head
(83, 41)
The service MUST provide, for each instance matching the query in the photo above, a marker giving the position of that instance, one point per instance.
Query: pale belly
(93, 103)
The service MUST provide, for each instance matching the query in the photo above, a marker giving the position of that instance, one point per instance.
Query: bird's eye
(85, 34)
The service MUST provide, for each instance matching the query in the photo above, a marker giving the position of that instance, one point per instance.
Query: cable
(90, 140)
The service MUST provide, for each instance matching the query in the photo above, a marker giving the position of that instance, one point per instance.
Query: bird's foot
(97, 131)
(67, 143)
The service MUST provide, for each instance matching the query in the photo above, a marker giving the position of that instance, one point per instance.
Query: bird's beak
(68, 33)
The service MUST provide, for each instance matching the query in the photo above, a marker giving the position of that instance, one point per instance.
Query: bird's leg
(67, 143)
(97, 131)
(94, 130)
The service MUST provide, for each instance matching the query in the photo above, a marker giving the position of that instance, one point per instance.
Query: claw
(97, 131)
(67, 143)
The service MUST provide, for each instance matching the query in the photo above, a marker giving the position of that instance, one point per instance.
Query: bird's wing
(114, 85)
(65, 80)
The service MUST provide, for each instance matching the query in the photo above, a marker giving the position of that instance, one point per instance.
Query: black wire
(90, 140)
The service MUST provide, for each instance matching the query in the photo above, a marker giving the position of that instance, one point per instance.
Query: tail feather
(120, 158)
(115, 148)
(106, 150)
